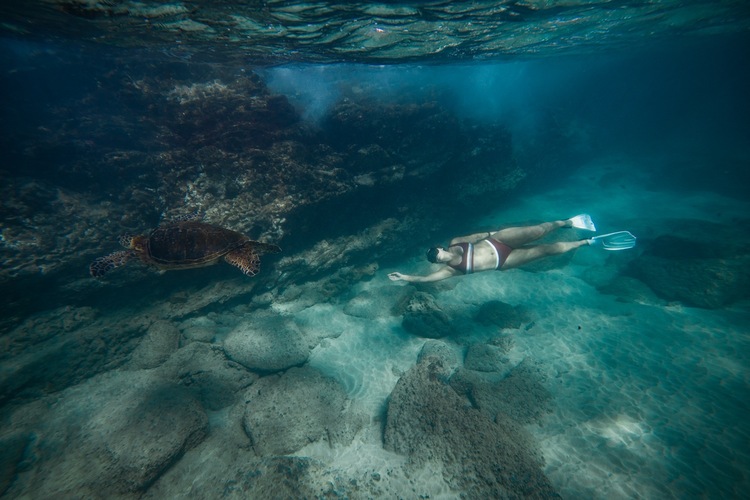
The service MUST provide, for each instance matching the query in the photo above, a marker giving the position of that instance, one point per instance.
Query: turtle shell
(191, 244)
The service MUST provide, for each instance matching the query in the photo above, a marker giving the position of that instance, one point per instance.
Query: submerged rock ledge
(137, 149)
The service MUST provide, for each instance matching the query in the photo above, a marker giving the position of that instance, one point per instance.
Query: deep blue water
(355, 136)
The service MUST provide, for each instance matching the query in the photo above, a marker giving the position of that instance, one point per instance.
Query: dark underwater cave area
(137, 149)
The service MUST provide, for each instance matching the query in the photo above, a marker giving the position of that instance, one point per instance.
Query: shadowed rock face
(687, 265)
(485, 458)
(153, 140)
(116, 433)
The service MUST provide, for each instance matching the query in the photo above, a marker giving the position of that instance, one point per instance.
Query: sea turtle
(185, 244)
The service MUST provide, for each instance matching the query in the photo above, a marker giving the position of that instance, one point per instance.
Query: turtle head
(137, 243)
(126, 240)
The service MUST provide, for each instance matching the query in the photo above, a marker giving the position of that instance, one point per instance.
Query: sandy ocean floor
(648, 396)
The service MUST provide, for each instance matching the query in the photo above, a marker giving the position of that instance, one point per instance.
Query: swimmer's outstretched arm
(472, 238)
(442, 274)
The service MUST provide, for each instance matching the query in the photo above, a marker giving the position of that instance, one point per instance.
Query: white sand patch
(367, 358)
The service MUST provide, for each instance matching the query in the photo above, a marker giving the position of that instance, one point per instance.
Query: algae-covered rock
(429, 421)
(54, 350)
(115, 433)
(485, 358)
(302, 406)
(205, 371)
(161, 340)
(374, 303)
(271, 344)
(424, 318)
(518, 392)
(694, 271)
(445, 354)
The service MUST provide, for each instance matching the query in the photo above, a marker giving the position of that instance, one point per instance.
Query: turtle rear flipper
(103, 265)
(246, 259)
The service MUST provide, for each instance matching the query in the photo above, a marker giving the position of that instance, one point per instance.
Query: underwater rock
(518, 394)
(308, 293)
(483, 357)
(424, 318)
(448, 361)
(54, 350)
(281, 477)
(629, 289)
(200, 329)
(502, 315)
(481, 458)
(271, 344)
(690, 271)
(12, 449)
(330, 258)
(423, 134)
(709, 283)
(115, 433)
(161, 340)
(204, 370)
(302, 406)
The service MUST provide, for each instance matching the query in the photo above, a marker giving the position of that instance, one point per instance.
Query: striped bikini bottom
(501, 251)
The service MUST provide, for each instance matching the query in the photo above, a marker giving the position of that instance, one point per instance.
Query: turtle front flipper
(246, 259)
(103, 265)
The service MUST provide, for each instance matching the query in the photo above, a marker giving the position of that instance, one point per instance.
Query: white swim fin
(621, 240)
(583, 221)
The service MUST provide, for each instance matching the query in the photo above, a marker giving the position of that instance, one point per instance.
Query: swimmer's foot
(582, 221)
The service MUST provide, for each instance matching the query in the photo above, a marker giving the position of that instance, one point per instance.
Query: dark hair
(432, 254)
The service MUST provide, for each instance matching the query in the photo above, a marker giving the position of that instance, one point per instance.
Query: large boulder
(217, 382)
(485, 358)
(444, 354)
(428, 421)
(161, 340)
(423, 317)
(51, 351)
(518, 392)
(687, 268)
(300, 407)
(112, 435)
(270, 343)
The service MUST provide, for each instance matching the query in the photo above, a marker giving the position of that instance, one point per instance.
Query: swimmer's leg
(518, 236)
(521, 256)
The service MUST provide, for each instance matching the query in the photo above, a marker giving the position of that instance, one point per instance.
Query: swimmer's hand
(397, 277)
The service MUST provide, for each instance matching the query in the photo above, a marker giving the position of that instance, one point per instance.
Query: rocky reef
(235, 414)
(131, 149)
(183, 364)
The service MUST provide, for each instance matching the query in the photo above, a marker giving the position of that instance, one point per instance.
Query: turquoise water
(356, 137)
